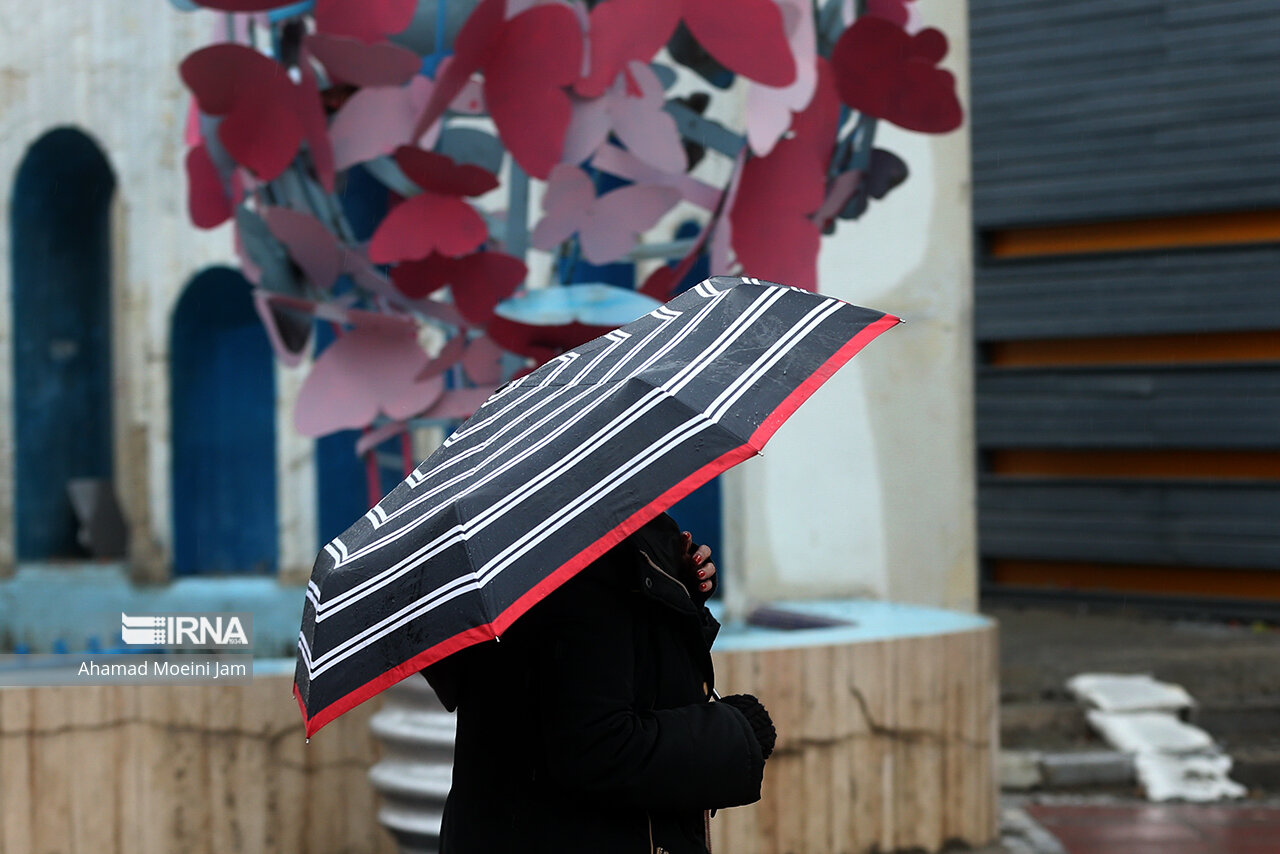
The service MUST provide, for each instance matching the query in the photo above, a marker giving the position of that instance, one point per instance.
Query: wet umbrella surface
(556, 468)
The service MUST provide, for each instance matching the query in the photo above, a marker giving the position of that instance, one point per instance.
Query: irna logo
(205, 631)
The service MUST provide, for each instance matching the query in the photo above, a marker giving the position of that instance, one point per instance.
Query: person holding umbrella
(591, 726)
(528, 567)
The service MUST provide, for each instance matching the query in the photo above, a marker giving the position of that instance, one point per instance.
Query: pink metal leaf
(769, 108)
(376, 121)
(607, 226)
(483, 361)
(371, 369)
(311, 245)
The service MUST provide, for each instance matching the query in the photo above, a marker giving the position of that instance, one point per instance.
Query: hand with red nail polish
(700, 571)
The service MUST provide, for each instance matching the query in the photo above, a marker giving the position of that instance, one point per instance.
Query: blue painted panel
(60, 238)
(342, 494)
(224, 459)
(364, 202)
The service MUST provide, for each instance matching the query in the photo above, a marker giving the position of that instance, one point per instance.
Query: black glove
(758, 716)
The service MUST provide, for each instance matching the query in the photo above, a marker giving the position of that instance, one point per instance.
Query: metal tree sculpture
(357, 146)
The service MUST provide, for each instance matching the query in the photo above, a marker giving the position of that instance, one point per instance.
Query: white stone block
(1129, 692)
(1186, 778)
(1150, 732)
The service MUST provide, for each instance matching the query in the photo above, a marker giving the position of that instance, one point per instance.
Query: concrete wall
(160, 769)
(868, 489)
(109, 69)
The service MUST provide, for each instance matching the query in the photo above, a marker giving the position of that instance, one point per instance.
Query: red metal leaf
(427, 223)
(438, 173)
(367, 20)
(473, 45)
(479, 281)
(541, 342)
(538, 55)
(622, 31)
(207, 200)
(263, 126)
(774, 236)
(746, 36)
(883, 71)
(528, 62)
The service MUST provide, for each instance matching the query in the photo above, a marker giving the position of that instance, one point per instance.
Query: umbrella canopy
(555, 469)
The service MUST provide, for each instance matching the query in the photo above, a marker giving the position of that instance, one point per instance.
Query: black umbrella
(555, 469)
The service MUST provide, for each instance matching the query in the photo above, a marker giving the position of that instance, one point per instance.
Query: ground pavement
(1233, 672)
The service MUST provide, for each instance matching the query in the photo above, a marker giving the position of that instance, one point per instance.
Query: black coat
(589, 727)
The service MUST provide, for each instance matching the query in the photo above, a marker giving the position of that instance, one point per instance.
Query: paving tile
(1214, 814)
(1161, 828)
(1248, 835)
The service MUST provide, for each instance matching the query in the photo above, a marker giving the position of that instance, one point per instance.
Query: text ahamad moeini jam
(169, 669)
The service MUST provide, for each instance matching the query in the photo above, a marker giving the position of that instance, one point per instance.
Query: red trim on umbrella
(396, 674)
(632, 523)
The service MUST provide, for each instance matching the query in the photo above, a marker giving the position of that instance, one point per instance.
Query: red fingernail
(702, 573)
(706, 585)
(698, 559)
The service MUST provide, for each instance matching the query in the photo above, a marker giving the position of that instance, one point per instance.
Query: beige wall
(159, 769)
(868, 489)
(109, 69)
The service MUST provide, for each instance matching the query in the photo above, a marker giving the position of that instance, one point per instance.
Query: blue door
(60, 237)
(224, 430)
